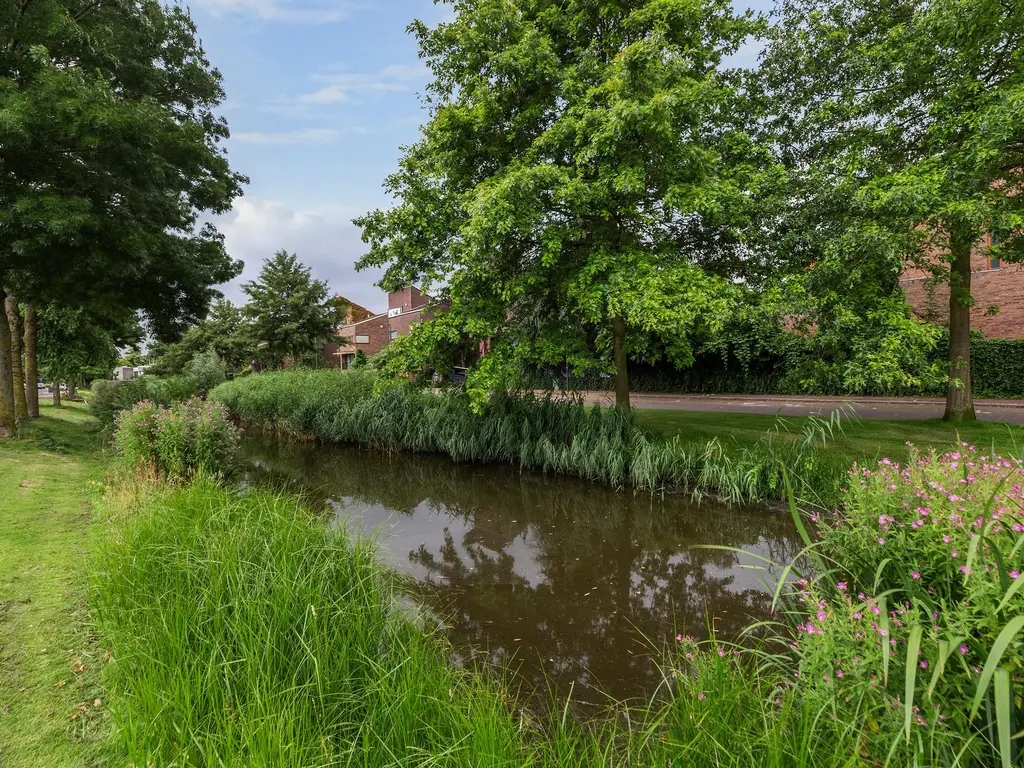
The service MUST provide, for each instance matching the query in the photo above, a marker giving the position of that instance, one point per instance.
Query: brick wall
(1002, 288)
(407, 299)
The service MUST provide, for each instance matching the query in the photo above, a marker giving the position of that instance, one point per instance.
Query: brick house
(374, 332)
(997, 288)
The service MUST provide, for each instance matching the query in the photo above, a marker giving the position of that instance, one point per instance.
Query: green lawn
(859, 439)
(49, 660)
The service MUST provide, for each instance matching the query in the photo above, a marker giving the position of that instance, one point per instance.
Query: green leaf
(913, 646)
(994, 657)
(946, 649)
(1018, 583)
(884, 624)
(1004, 709)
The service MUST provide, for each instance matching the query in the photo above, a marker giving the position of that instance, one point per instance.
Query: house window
(362, 339)
(994, 262)
(346, 361)
(393, 335)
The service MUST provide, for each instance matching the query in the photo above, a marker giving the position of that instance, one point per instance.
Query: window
(362, 339)
(393, 335)
(994, 262)
(346, 361)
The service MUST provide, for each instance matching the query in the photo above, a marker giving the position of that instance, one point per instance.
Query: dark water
(565, 583)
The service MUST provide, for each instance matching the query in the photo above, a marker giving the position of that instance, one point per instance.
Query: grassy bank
(566, 437)
(49, 658)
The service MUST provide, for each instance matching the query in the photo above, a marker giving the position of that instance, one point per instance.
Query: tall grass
(243, 633)
(562, 436)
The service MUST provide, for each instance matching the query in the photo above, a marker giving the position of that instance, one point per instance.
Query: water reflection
(565, 581)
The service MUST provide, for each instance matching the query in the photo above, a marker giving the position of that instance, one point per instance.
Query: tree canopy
(111, 151)
(290, 314)
(584, 183)
(900, 121)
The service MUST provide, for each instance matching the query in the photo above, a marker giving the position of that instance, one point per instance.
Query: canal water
(567, 584)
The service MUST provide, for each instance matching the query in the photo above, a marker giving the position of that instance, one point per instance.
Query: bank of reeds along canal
(553, 436)
(245, 631)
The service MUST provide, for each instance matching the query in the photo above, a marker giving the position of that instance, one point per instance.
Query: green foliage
(997, 367)
(223, 330)
(533, 432)
(915, 605)
(894, 116)
(111, 150)
(247, 632)
(178, 442)
(359, 360)
(206, 369)
(790, 367)
(289, 313)
(109, 398)
(579, 168)
(72, 345)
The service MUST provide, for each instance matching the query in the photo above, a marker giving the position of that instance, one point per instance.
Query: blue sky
(321, 95)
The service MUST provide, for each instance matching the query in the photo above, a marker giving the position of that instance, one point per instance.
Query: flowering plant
(189, 438)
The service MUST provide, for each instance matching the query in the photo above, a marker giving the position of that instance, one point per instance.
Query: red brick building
(997, 288)
(371, 334)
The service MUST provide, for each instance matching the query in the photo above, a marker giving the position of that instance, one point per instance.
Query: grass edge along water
(244, 631)
(535, 432)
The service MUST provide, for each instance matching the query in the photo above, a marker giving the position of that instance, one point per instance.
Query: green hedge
(997, 370)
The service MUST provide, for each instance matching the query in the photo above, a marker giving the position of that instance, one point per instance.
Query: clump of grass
(244, 633)
(562, 436)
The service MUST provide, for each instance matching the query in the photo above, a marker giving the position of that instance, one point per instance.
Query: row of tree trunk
(19, 367)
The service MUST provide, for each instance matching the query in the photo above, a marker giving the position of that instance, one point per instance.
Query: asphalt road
(1011, 411)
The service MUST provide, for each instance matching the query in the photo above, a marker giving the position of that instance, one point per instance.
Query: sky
(321, 96)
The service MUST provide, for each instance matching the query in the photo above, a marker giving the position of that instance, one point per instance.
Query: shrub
(207, 370)
(109, 398)
(177, 442)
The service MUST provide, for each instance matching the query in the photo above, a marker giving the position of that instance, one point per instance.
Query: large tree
(111, 150)
(290, 315)
(902, 120)
(583, 185)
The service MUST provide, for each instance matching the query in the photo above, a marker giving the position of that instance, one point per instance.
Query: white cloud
(317, 12)
(254, 229)
(305, 136)
(341, 86)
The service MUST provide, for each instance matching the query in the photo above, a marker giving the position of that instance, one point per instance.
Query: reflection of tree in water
(554, 570)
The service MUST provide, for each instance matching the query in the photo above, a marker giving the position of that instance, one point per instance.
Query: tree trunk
(72, 390)
(959, 401)
(621, 371)
(7, 422)
(56, 394)
(17, 371)
(31, 361)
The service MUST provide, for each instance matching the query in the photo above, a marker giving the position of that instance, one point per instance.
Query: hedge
(997, 372)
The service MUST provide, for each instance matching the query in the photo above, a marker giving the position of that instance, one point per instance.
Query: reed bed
(543, 433)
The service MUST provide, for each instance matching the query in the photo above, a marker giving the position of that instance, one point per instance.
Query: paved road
(1011, 411)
